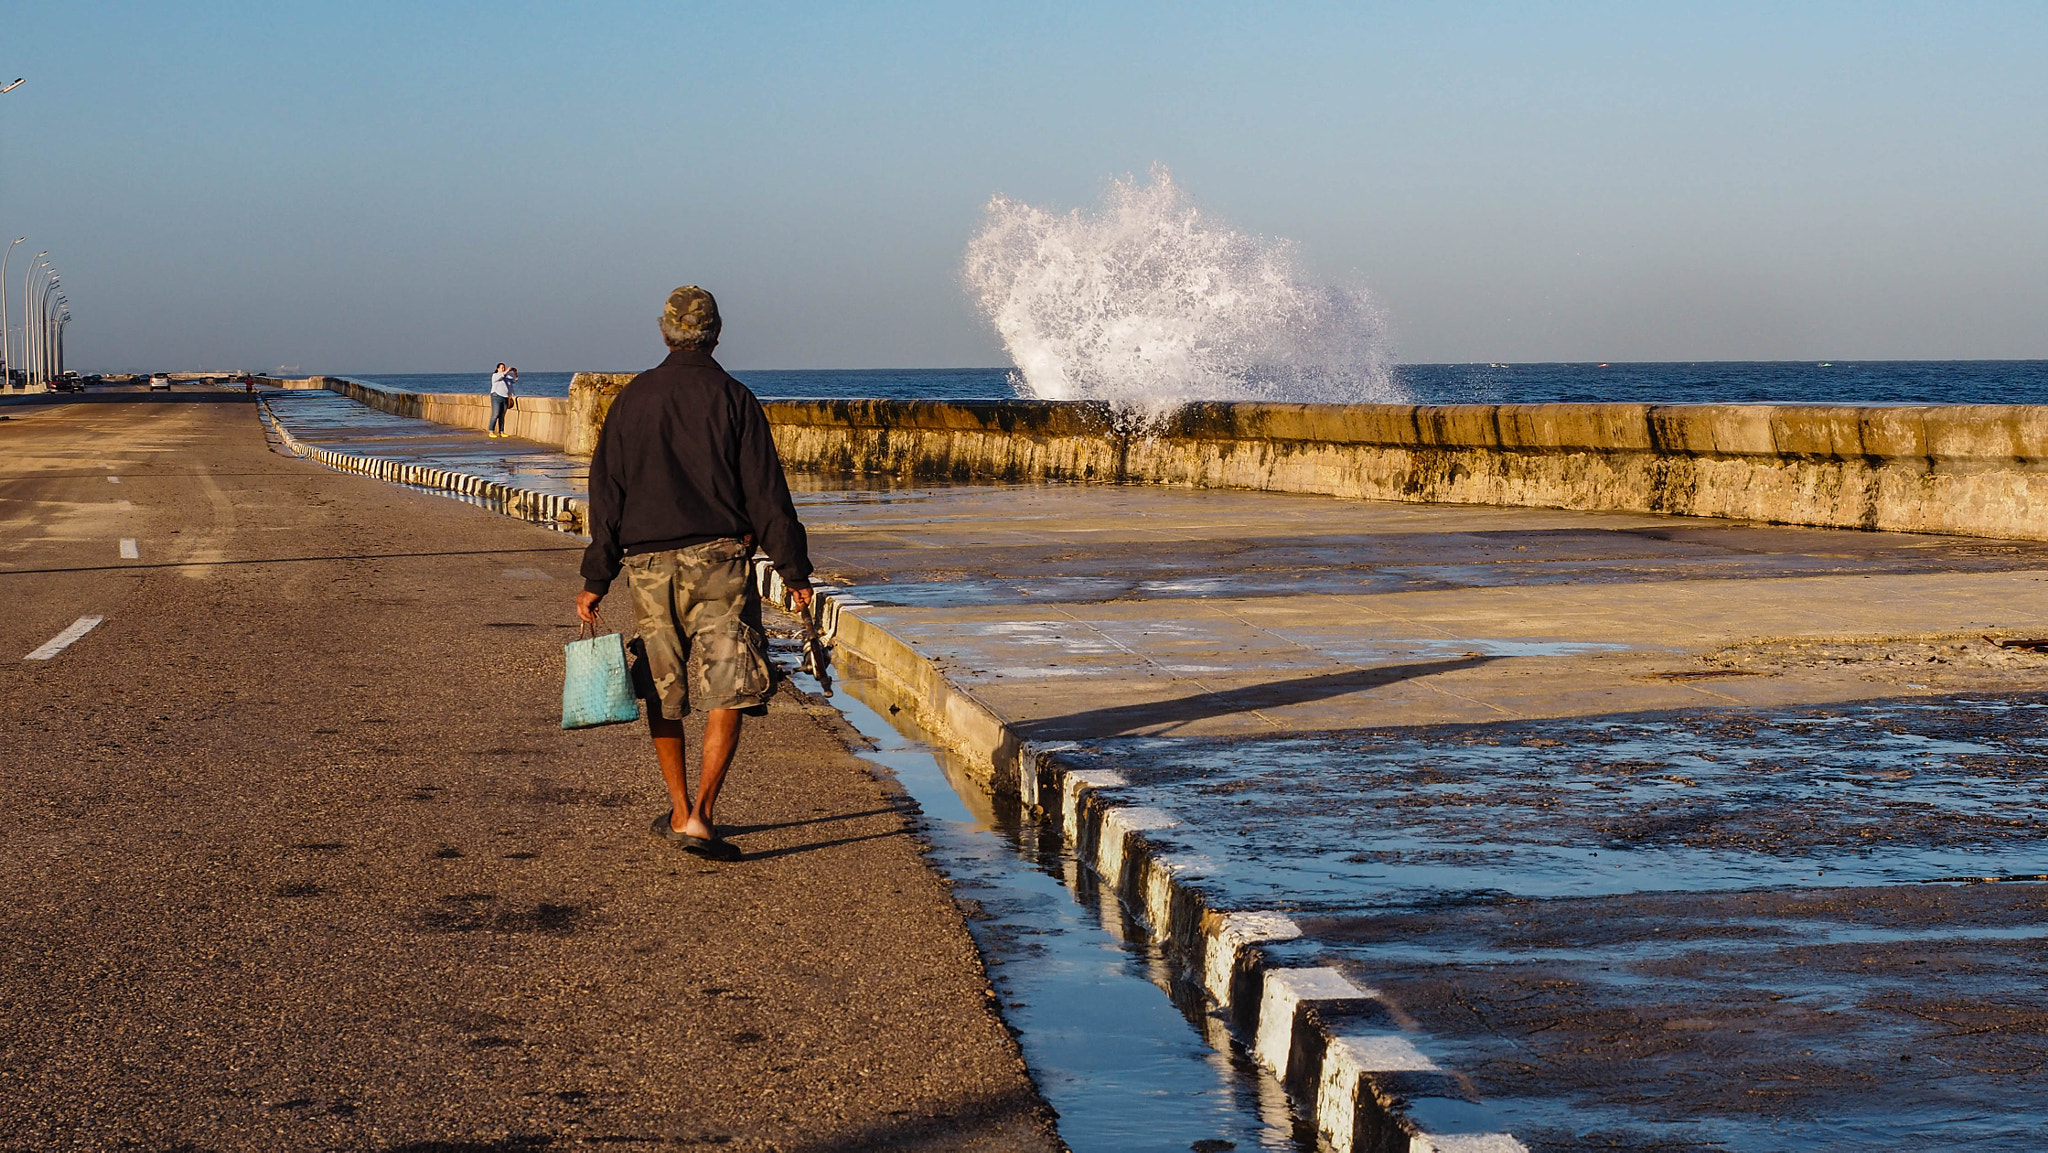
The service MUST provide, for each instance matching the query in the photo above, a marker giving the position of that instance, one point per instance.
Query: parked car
(159, 381)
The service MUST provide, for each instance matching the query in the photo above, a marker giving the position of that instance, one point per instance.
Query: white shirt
(501, 383)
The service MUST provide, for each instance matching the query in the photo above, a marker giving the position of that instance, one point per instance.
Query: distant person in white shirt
(502, 382)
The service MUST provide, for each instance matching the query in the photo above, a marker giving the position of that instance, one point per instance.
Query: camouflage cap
(690, 317)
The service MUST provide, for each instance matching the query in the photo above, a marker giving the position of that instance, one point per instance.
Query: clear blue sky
(435, 187)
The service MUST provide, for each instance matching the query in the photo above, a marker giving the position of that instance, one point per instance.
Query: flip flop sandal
(715, 849)
(662, 827)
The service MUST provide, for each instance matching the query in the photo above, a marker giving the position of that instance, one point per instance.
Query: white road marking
(113, 480)
(128, 549)
(65, 639)
(126, 506)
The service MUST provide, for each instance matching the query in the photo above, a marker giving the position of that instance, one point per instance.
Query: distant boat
(1827, 364)
(1603, 364)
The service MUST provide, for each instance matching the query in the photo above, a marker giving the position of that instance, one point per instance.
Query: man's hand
(586, 606)
(800, 599)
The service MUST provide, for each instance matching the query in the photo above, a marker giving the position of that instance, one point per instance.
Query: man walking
(502, 382)
(684, 483)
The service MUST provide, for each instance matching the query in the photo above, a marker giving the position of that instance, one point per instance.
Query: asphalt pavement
(299, 858)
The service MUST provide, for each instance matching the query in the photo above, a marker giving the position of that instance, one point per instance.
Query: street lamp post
(7, 364)
(7, 361)
(61, 312)
(44, 276)
(45, 316)
(35, 319)
(27, 291)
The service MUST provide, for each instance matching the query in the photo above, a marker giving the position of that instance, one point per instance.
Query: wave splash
(1150, 302)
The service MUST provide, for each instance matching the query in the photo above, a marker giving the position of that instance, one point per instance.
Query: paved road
(1632, 818)
(297, 857)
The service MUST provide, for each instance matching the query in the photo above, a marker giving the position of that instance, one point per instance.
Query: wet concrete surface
(1654, 830)
(1218, 613)
(298, 857)
(1748, 930)
(335, 422)
(1120, 1044)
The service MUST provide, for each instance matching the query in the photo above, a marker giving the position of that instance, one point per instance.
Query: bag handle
(588, 631)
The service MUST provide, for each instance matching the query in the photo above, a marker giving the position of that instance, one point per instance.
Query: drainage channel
(1127, 1055)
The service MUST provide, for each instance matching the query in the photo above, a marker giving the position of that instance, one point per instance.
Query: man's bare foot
(694, 826)
(680, 821)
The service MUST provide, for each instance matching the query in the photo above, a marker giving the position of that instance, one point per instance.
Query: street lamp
(44, 315)
(7, 364)
(35, 321)
(27, 281)
(36, 269)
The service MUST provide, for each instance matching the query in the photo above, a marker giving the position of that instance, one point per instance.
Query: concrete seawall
(538, 418)
(1979, 470)
(1968, 470)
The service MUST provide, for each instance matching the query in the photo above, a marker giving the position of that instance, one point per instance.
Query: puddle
(1130, 1063)
(1877, 794)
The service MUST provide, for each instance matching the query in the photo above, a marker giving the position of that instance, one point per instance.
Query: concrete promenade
(298, 857)
(1654, 832)
(1627, 821)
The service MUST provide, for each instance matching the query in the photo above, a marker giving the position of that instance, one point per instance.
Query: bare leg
(668, 749)
(721, 737)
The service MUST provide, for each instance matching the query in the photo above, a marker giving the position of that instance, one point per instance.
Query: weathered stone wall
(1971, 470)
(952, 440)
(590, 400)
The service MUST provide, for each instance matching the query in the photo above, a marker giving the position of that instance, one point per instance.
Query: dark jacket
(685, 457)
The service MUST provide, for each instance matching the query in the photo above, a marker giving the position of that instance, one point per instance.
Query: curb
(1337, 1048)
(563, 512)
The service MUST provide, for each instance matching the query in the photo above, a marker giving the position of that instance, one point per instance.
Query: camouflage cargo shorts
(699, 601)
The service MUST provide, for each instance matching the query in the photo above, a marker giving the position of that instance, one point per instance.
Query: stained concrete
(1655, 832)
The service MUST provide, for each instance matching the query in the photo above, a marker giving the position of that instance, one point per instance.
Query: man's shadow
(1118, 719)
(1181, 710)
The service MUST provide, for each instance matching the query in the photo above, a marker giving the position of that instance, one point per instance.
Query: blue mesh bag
(597, 689)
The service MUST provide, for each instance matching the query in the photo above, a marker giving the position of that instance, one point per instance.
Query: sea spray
(1150, 303)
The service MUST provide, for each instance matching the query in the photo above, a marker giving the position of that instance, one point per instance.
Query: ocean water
(1700, 382)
